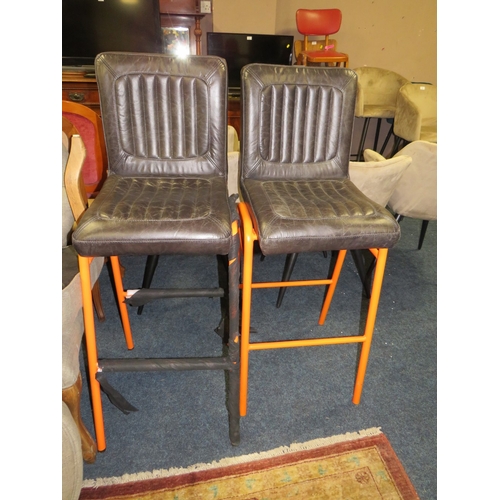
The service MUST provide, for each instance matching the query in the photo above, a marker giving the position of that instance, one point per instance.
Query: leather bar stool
(297, 196)
(165, 122)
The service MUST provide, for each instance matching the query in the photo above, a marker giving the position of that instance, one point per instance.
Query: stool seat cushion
(155, 216)
(378, 179)
(316, 215)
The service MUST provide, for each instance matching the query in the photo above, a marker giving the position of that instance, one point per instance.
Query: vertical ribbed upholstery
(296, 130)
(297, 126)
(164, 120)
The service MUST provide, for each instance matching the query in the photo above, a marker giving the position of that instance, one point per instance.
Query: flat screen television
(93, 26)
(240, 49)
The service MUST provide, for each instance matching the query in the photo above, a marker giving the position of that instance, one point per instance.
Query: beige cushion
(232, 172)
(378, 178)
(416, 193)
(233, 143)
(370, 155)
(233, 156)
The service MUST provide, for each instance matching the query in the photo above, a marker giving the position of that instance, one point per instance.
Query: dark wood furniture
(233, 114)
(185, 14)
(76, 87)
(81, 87)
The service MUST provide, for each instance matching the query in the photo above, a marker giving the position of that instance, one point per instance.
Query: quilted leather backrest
(163, 115)
(297, 121)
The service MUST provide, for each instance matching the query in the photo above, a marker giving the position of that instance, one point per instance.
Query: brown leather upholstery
(295, 158)
(165, 123)
(296, 193)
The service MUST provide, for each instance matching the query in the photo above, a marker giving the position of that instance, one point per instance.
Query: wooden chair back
(89, 125)
(73, 178)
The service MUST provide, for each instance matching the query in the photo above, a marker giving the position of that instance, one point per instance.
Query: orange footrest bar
(249, 236)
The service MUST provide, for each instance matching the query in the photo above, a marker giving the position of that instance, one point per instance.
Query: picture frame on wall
(176, 40)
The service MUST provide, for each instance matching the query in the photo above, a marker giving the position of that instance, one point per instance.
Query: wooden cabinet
(77, 87)
(233, 114)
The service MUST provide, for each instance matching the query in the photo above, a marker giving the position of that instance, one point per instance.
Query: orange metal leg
(249, 237)
(246, 301)
(121, 294)
(90, 338)
(370, 324)
(331, 288)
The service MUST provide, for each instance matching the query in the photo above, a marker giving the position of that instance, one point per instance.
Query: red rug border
(380, 441)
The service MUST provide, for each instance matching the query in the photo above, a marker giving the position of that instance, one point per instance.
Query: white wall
(236, 16)
(400, 35)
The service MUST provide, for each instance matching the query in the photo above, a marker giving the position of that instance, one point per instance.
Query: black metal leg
(363, 137)
(423, 230)
(149, 271)
(364, 275)
(233, 313)
(291, 258)
(397, 142)
(387, 137)
(377, 133)
(223, 327)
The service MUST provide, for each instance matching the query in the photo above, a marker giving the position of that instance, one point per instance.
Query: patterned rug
(359, 465)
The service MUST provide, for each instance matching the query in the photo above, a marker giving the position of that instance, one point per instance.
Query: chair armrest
(407, 119)
(360, 101)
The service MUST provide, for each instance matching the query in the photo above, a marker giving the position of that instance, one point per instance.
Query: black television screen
(240, 49)
(93, 26)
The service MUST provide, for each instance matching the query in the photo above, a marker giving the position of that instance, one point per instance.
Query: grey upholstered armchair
(77, 443)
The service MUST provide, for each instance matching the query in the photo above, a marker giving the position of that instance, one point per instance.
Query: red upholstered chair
(319, 22)
(89, 126)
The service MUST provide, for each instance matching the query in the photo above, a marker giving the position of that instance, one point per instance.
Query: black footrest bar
(146, 295)
(160, 364)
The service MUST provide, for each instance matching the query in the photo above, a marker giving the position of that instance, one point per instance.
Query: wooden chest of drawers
(79, 88)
